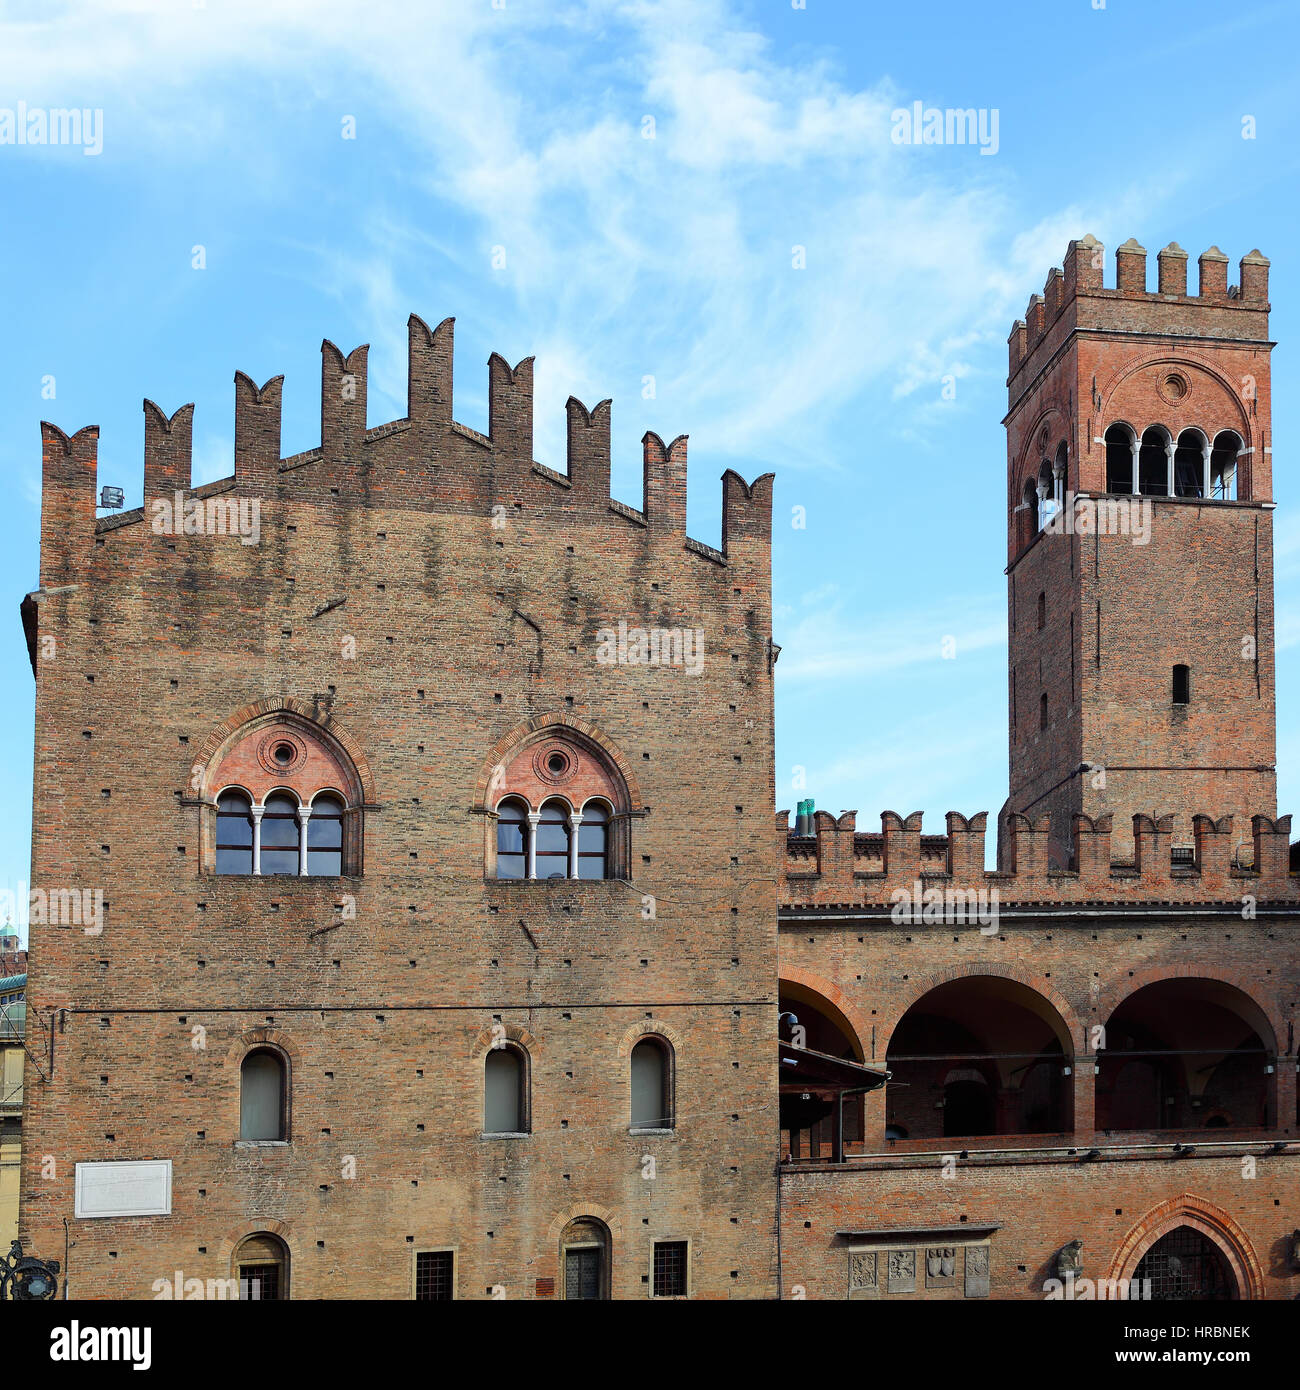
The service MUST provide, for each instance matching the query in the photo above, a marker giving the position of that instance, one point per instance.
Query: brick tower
(1140, 548)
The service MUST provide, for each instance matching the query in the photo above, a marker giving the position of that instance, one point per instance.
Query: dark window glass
(325, 837)
(553, 841)
(234, 834)
(1153, 464)
(512, 848)
(1119, 460)
(593, 842)
(1189, 464)
(670, 1269)
(1182, 685)
(434, 1275)
(280, 835)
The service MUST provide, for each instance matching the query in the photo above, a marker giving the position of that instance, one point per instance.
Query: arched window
(1046, 495)
(1223, 466)
(593, 841)
(652, 1084)
(279, 835)
(263, 1113)
(1119, 459)
(552, 853)
(1153, 463)
(262, 1268)
(1189, 465)
(234, 834)
(325, 837)
(505, 1091)
(512, 840)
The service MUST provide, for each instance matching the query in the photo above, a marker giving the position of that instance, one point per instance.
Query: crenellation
(1214, 274)
(430, 362)
(343, 387)
(419, 461)
(257, 430)
(510, 416)
(664, 467)
(589, 450)
(168, 444)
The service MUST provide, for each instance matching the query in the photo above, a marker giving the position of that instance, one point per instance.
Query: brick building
(445, 947)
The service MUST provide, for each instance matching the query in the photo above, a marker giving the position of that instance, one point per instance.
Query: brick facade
(426, 618)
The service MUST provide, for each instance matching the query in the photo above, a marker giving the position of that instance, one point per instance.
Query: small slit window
(1182, 685)
(1042, 711)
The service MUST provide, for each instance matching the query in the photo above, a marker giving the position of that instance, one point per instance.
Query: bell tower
(1140, 547)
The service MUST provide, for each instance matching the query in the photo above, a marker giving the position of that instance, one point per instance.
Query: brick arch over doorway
(1187, 1209)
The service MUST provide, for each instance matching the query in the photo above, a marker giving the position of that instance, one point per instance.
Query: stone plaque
(977, 1271)
(941, 1267)
(132, 1188)
(864, 1278)
(902, 1271)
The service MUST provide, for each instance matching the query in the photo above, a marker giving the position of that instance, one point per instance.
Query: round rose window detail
(281, 753)
(554, 763)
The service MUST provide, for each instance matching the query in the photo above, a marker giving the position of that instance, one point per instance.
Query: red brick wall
(476, 584)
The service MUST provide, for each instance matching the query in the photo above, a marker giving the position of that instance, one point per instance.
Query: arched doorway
(584, 1259)
(1186, 1265)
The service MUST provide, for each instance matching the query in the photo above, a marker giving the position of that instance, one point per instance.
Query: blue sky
(521, 128)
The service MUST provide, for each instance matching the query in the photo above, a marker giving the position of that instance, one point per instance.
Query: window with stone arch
(558, 808)
(284, 799)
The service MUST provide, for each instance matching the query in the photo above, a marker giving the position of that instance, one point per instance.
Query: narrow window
(234, 834)
(1223, 466)
(1189, 465)
(651, 1085)
(261, 1096)
(553, 841)
(503, 1092)
(1042, 611)
(1153, 463)
(325, 838)
(512, 844)
(280, 854)
(435, 1272)
(1042, 711)
(593, 842)
(1182, 685)
(1119, 460)
(670, 1269)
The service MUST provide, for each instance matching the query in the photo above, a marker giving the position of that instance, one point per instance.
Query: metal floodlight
(111, 497)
